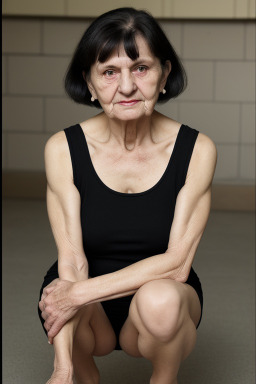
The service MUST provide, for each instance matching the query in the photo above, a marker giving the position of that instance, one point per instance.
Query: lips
(128, 102)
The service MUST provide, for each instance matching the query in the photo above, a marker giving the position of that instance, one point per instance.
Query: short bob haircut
(108, 32)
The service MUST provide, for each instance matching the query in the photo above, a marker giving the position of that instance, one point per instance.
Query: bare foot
(61, 376)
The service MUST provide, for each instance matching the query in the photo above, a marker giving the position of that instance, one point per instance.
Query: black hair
(108, 32)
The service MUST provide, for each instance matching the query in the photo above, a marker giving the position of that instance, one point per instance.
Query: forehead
(119, 54)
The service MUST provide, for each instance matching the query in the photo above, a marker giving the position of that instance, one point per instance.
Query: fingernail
(49, 342)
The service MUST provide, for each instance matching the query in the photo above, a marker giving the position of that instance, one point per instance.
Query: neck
(131, 134)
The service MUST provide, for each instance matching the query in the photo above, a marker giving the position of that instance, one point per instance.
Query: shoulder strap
(78, 156)
(184, 150)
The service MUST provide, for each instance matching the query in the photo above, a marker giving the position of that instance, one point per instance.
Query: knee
(159, 306)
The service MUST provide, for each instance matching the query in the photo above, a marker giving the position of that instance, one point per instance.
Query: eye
(141, 69)
(109, 72)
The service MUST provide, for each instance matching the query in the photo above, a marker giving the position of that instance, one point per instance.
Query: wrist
(81, 294)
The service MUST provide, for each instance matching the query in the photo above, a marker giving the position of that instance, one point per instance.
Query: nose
(126, 83)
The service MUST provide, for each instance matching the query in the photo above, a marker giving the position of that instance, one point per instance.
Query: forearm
(127, 280)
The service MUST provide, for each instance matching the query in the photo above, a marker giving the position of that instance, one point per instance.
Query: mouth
(128, 103)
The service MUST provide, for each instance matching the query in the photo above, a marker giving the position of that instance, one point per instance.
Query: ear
(166, 71)
(89, 85)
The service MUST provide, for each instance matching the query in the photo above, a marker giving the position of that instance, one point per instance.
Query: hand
(57, 305)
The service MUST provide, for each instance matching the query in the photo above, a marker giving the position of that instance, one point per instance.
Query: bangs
(126, 39)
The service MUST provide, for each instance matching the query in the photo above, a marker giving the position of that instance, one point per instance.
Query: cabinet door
(97, 7)
(199, 8)
(34, 7)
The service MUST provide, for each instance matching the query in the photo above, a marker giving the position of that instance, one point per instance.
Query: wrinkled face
(128, 89)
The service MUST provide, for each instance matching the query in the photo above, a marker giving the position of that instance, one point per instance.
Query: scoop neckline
(136, 193)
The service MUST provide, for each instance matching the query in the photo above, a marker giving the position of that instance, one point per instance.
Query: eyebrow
(139, 61)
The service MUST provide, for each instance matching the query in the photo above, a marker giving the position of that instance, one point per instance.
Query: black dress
(122, 228)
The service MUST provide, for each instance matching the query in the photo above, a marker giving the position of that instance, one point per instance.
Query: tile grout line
(239, 176)
(245, 42)
(248, 8)
(44, 114)
(41, 38)
(66, 7)
(214, 73)
(6, 151)
(7, 94)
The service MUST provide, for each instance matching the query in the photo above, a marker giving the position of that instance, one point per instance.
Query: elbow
(182, 277)
(180, 273)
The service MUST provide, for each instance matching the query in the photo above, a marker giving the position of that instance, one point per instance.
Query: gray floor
(225, 263)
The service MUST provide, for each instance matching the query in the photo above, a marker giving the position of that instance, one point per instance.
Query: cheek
(106, 92)
(150, 88)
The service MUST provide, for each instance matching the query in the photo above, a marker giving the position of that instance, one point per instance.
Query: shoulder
(203, 162)
(57, 157)
(56, 145)
(205, 149)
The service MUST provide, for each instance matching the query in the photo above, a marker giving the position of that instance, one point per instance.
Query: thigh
(95, 327)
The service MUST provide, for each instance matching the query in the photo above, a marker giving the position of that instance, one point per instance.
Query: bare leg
(88, 333)
(162, 319)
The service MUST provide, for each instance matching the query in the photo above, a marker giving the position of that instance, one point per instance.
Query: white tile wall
(216, 120)
(219, 58)
(23, 114)
(61, 36)
(21, 36)
(200, 80)
(26, 151)
(173, 31)
(227, 164)
(4, 74)
(170, 109)
(202, 41)
(250, 42)
(248, 124)
(247, 164)
(29, 75)
(4, 150)
(61, 113)
(235, 81)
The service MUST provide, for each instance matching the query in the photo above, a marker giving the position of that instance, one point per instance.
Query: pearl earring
(164, 91)
(92, 99)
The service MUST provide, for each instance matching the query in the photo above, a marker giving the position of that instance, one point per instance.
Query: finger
(53, 283)
(55, 328)
(48, 290)
(48, 324)
(44, 315)
(43, 296)
(41, 305)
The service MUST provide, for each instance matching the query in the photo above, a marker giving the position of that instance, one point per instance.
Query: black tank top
(122, 228)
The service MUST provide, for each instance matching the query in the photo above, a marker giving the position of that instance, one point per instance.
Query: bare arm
(63, 206)
(190, 218)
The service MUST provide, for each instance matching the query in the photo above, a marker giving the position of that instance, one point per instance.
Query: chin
(131, 115)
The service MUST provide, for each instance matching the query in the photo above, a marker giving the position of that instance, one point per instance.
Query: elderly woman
(128, 198)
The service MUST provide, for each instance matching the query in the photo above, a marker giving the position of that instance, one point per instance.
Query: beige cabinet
(177, 9)
(96, 7)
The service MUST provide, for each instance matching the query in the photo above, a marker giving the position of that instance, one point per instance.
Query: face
(128, 89)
